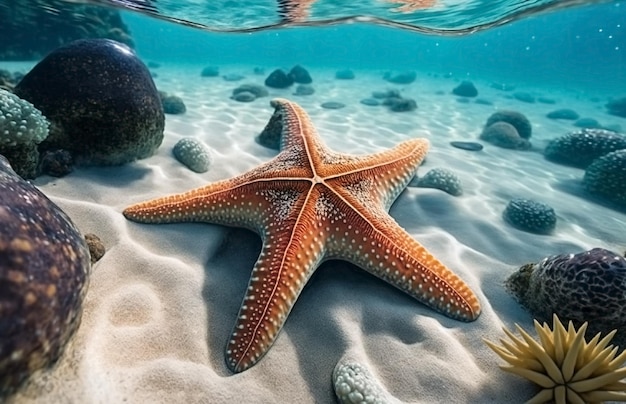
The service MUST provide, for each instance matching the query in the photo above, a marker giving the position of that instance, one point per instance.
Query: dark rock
(346, 74)
(24, 158)
(257, 90)
(44, 271)
(569, 114)
(587, 123)
(300, 75)
(482, 101)
(153, 65)
(259, 71)
(517, 119)
(504, 135)
(278, 79)
(403, 105)
(545, 100)
(333, 105)
(372, 102)
(304, 89)
(244, 96)
(100, 100)
(210, 71)
(465, 89)
(617, 107)
(233, 77)
(463, 100)
(56, 163)
(524, 97)
(173, 104)
(271, 135)
(386, 94)
(400, 78)
(471, 146)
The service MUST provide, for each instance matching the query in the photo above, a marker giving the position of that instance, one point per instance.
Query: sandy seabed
(163, 300)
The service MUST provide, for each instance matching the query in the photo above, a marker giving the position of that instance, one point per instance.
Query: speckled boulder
(588, 286)
(44, 268)
(530, 216)
(517, 119)
(193, 153)
(581, 147)
(443, 179)
(606, 177)
(100, 100)
(504, 135)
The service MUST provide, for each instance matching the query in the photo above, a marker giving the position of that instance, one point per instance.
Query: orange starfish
(310, 204)
(409, 6)
(292, 11)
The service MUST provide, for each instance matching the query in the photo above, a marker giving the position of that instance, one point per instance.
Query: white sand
(162, 301)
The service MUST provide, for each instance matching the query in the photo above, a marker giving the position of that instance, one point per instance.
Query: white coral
(20, 121)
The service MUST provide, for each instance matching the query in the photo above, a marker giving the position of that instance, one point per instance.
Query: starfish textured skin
(310, 204)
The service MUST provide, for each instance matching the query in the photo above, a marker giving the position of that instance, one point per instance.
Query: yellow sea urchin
(564, 364)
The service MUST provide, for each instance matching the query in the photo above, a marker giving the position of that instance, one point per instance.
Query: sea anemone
(564, 364)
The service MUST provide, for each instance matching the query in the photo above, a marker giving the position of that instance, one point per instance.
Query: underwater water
(516, 98)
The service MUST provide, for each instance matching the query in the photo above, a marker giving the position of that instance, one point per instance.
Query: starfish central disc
(303, 224)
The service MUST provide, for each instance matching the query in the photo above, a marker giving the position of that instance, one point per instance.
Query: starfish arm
(390, 253)
(251, 204)
(290, 255)
(380, 178)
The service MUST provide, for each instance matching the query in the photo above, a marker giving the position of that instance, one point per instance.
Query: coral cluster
(193, 153)
(606, 177)
(567, 367)
(22, 128)
(581, 147)
(443, 179)
(354, 384)
(529, 215)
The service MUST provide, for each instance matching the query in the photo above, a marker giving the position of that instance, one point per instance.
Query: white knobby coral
(564, 364)
(20, 121)
(354, 384)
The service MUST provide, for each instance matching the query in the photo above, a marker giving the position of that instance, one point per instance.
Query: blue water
(580, 47)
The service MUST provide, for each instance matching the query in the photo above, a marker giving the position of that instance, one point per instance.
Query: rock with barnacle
(583, 146)
(530, 216)
(588, 286)
(443, 179)
(22, 129)
(44, 269)
(193, 153)
(567, 367)
(606, 177)
(354, 384)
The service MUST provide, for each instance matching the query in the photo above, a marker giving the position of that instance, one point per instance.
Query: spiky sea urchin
(564, 364)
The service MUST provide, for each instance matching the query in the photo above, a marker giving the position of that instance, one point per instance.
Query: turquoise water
(580, 48)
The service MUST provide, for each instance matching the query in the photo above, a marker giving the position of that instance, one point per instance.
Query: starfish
(293, 11)
(310, 204)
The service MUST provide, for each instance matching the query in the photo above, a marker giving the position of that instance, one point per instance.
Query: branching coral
(567, 367)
